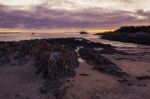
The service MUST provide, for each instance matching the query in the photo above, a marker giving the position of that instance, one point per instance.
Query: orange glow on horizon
(61, 30)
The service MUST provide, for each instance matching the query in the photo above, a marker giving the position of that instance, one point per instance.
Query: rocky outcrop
(130, 34)
(133, 29)
(84, 32)
(54, 62)
(101, 63)
(53, 59)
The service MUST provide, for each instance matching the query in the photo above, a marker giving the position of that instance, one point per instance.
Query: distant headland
(131, 34)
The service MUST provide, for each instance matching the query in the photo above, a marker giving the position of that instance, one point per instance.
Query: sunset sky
(72, 15)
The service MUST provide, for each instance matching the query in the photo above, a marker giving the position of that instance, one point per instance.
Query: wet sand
(19, 82)
(97, 85)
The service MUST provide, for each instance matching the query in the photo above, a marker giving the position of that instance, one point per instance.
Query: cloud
(124, 5)
(42, 16)
(145, 14)
(21, 2)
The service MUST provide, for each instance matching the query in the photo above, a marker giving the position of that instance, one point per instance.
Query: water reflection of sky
(113, 43)
(28, 36)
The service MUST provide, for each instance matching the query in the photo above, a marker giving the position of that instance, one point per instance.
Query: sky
(72, 15)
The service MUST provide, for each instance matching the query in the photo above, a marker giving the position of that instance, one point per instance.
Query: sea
(91, 37)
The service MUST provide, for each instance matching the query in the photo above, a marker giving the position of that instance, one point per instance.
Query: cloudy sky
(73, 14)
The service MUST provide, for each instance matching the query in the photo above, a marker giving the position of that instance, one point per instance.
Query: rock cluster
(49, 58)
(101, 63)
(54, 62)
(53, 59)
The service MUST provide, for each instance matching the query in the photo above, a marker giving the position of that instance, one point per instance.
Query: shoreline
(52, 68)
(136, 38)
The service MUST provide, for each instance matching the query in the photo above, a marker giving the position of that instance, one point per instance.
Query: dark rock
(18, 95)
(146, 77)
(111, 50)
(83, 32)
(101, 63)
(5, 60)
(84, 74)
(123, 80)
(129, 84)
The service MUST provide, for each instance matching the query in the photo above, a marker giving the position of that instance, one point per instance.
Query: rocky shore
(53, 59)
(101, 63)
(59, 68)
(129, 34)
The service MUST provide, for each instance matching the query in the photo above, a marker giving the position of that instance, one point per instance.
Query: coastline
(23, 64)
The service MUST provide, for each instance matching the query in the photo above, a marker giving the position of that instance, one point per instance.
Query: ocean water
(29, 36)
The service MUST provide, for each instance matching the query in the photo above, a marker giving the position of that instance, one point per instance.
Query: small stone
(129, 84)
